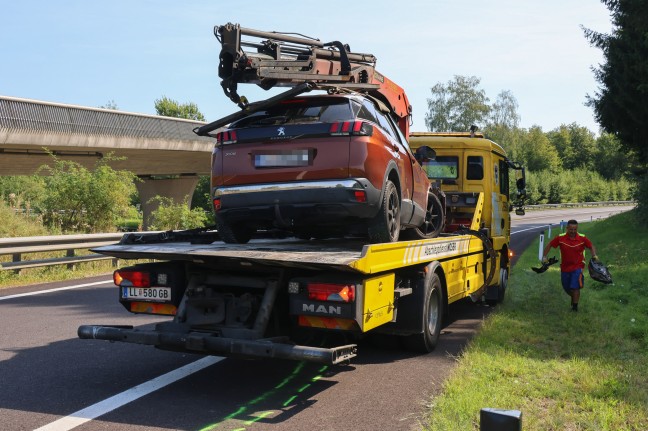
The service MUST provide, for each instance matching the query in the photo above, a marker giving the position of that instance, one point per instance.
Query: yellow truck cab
(465, 165)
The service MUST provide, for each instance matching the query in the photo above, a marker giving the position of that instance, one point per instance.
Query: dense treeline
(567, 164)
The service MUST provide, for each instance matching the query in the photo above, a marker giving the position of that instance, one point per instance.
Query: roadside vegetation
(563, 370)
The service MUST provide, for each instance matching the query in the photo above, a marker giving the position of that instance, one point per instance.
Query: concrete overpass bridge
(153, 147)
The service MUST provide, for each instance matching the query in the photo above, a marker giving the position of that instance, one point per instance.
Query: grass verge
(563, 370)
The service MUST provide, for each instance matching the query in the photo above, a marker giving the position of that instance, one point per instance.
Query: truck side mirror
(520, 183)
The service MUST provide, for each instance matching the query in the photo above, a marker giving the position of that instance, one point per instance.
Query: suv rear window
(305, 110)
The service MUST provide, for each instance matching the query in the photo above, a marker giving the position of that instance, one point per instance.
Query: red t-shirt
(572, 251)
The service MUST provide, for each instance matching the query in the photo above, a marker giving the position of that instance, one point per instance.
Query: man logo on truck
(332, 309)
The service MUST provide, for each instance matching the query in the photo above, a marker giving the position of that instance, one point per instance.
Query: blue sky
(133, 52)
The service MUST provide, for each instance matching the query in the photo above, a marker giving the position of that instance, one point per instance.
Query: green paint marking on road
(303, 388)
(291, 376)
(290, 400)
(258, 418)
(232, 416)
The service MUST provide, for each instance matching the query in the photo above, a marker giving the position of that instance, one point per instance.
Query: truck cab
(464, 165)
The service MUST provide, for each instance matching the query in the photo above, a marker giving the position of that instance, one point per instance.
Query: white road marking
(534, 228)
(20, 295)
(101, 408)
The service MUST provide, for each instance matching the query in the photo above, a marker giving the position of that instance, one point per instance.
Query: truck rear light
(123, 278)
(360, 196)
(331, 292)
(355, 128)
(152, 308)
(217, 204)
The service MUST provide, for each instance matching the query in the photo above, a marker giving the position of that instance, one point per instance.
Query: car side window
(386, 125)
(367, 112)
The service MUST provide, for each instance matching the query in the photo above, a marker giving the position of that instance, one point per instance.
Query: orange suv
(321, 166)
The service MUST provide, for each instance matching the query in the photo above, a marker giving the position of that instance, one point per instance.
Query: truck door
(501, 222)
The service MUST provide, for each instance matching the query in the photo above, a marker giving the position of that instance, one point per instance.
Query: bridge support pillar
(178, 189)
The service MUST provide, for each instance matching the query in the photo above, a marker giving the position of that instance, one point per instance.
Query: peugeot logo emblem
(281, 131)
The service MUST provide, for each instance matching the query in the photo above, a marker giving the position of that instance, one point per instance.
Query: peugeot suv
(321, 166)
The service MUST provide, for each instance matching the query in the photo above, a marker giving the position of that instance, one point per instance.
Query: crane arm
(272, 59)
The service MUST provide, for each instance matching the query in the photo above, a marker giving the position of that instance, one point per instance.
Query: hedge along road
(53, 381)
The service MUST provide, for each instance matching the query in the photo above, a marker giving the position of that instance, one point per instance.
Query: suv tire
(385, 226)
(434, 219)
(234, 234)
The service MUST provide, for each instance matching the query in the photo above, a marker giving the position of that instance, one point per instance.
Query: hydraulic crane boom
(284, 60)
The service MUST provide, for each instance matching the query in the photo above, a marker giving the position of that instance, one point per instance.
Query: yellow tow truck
(262, 299)
(269, 297)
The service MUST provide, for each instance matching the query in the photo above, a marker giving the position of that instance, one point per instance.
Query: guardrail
(17, 247)
(578, 205)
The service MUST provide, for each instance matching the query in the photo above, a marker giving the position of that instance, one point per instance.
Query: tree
(504, 112)
(609, 160)
(621, 104)
(538, 154)
(457, 105)
(110, 105)
(170, 108)
(575, 144)
(80, 200)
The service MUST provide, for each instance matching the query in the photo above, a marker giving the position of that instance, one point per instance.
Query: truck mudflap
(196, 342)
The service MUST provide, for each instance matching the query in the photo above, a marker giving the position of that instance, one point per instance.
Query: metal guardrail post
(16, 258)
(69, 253)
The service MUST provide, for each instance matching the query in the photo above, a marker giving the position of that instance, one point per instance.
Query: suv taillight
(226, 138)
(355, 128)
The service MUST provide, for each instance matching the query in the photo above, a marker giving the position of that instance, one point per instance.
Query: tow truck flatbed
(342, 254)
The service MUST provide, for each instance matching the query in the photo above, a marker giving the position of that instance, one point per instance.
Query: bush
(578, 185)
(19, 225)
(79, 200)
(172, 216)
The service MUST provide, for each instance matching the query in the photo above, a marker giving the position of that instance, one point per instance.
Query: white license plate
(147, 293)
(282, 159)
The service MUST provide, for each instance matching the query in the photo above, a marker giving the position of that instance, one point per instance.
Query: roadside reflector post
(500, 420)
(541, 247)
(549, 233)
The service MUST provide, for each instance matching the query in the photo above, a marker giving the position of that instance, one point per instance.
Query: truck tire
(502, 284)
(385, 226)
(234, 234)
(433, 309)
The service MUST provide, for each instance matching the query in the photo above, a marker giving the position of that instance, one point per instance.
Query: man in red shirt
(572, 259)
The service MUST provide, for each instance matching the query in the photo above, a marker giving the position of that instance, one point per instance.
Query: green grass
(563, 370)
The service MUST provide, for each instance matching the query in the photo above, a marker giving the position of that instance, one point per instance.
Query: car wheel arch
(392, 174)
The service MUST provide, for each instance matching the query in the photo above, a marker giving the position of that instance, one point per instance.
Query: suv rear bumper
(301, 201)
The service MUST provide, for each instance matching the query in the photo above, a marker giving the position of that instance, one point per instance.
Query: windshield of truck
(442, 168)
(302, 110)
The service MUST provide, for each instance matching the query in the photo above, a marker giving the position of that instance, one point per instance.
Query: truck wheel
(434, 219)
(234, 234)
(432, 318)
(385, 226)
(501, 286)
